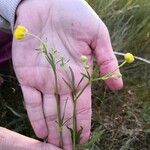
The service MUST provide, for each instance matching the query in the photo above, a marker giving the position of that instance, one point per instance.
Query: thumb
(105, 57)
(10, 140)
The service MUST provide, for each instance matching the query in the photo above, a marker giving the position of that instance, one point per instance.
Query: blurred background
(122, 118)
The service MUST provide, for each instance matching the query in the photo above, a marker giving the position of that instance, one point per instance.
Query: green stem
(124, 62)
(58, 111)
(36, 37)
(107, 76)
(74, 121)
(75, 98)
(60, 123)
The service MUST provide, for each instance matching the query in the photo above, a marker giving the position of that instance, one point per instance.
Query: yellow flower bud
(129, 58)
(20, 32)
(86, 66)
(83, 58)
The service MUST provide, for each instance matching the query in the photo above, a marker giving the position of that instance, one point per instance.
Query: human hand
(73, 29)
(10, 140)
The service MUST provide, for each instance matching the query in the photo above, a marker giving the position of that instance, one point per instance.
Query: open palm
(73, 29)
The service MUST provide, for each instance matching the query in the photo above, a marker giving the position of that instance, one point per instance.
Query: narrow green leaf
(68, 84)
(77, 135)
(71, 131)
(64, 110)
(72, 78)
(95, 138)
(80, 81)
(84, 75)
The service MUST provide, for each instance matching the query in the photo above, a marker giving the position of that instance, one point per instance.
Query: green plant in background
(128, 22)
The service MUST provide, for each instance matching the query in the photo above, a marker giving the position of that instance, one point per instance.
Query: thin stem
(58, 110)
(121, 64)
(36, 37)
(107, 76)
(74, 121)
(75, 98)
(52, 63)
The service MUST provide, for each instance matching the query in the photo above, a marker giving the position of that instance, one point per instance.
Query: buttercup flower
(20, 32)
(129, 58)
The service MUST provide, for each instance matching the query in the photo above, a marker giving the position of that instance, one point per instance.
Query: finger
(50, 111)
(10, 140)
(33, 102)
(67, 111)
(105, 57)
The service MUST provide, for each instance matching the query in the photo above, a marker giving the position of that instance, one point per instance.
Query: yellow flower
(129, 58)
(20, 32)
(83, 59)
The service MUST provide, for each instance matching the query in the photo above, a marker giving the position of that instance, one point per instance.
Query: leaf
(77, 135)
(64, 110)
(71, 131)
(80, 81)
(67, 84)
(72, 78)
(95, 138)
(88, 74)
(51, 60)
(146, 117)
(84, 75)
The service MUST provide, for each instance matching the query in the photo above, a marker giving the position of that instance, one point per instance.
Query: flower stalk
(20, 33)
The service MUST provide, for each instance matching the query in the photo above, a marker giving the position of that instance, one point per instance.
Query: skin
(73, 29)
(10, 140)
